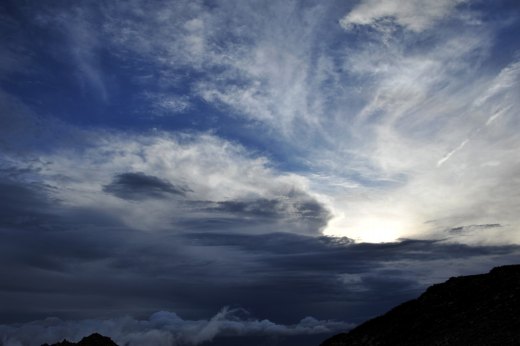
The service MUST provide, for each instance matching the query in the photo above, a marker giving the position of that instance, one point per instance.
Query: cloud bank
(162, 329)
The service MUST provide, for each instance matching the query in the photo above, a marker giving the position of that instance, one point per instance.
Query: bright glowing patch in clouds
(371, 229)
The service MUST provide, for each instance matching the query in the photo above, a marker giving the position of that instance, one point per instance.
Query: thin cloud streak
(450, 154)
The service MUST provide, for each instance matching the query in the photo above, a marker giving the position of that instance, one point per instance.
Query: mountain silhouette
(91, 340)
(467, 310)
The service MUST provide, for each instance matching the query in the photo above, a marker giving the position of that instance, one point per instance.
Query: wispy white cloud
(260, 63)
(424, 106)
(454, 187)
(448, 155)
(416, 15)
(504, 81)
(77, 26)
(166, 104)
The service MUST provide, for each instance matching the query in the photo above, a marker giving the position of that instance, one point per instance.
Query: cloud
(162, 328)
(296, 206)
(379, 113)
(84, 262)
(137, 186)
(362, 121)
(425, 132)
(472, 228)
(415, 15)
(172, 104)
(22, 204)
(235, 60)
(206, 182)
(448, 155)
(12, 57)
(501, 84)
(84, 44)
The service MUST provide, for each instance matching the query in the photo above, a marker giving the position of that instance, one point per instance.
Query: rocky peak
(467, 310)
(91, 340)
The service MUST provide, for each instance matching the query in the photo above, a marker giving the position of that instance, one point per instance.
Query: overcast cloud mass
(270, 172)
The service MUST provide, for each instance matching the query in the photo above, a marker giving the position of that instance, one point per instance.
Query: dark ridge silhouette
(467, 310)
(91, 340)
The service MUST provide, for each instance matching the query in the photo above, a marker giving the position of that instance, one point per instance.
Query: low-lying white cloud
(162, 329)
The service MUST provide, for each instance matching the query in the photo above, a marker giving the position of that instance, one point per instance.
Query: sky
(262, 172)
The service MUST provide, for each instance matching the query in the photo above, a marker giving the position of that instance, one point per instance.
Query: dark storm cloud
(274, 208)
(263, 208)
(301, 208)
(138, 186)
(292, 212)
(339, 250)
(292, 271)
(75, 263)
(20, 204)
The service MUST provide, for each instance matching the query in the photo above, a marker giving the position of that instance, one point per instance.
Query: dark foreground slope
(91, 340)
(468, 310)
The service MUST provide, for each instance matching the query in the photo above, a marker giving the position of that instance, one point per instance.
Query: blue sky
(247, 147)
